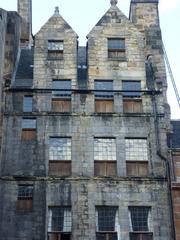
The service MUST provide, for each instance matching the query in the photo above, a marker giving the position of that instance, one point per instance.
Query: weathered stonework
(27, 162)
(25, 11)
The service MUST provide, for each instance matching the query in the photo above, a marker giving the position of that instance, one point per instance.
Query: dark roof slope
(175, 136)
(82, 56)
(24, 74)
(82, 67)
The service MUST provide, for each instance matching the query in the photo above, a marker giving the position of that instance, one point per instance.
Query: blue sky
(82, 15)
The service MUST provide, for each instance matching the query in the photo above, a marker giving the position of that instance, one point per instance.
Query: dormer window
(116, 49)
(55, 49)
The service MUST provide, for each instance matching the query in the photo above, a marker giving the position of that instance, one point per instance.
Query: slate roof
(175, 136)
(82, 56)
(82, 67)
(24, 73)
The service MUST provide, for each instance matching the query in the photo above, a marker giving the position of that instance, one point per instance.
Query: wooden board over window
(59, 236)
(137, 169)
(60, 168)
(24, 204)
(132, 105)
(176, 161)
(176, 206)
(141, 236)
(105, 168)
(106, 236)
(61, 105)
(28, 134)
(104, 106)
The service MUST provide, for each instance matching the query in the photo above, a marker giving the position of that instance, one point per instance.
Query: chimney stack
(25, 11)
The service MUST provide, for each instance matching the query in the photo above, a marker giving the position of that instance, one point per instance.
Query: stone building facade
(10, 24)
(84, 148)
(174, 152)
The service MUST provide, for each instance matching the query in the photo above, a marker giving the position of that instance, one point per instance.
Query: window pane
(106, 218)
(59, 219)
(28, 123)
(25, 191)
(105, 149)
(139, 218)
(27, 104)
(60, 148)
(61, 84)
(103, 85)
(136, 150)
(132, 86)
(55, 45)
(116, 43)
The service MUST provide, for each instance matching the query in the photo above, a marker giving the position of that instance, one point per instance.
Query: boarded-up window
(106, 223)
(55, 49)
(28, 129)
(132, 102)
(176, 206)
(61, 95)
(60, 156)
(104, 97)
(132, 105)
(25, 198)
(105, 157)
(116, 48)
(60, 105)
(176, 161)
(138, 169)
(59, 236)
(141, 236)
(59, 223)
(27, 103)
(136, 157)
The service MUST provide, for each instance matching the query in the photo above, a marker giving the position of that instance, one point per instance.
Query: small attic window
(116, 48)
(55, 49)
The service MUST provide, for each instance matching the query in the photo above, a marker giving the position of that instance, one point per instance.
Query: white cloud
(167, 5)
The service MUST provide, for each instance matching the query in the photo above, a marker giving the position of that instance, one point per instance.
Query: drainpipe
(159, 153)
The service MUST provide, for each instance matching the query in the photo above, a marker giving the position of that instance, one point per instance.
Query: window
(106, 223)
(140, 219)
(136, 157)
(116, 48)
(61, 96)
(132, 102)
(59, 223)
(55, 49)
(60, 156)
(25, 198)
(105, 156)
(27, 104)
(104, 101)
(28, 129)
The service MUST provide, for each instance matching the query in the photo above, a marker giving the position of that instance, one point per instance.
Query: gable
(113, 18)
(56, 24)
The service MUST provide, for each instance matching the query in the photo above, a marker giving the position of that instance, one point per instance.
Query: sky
(82, 15)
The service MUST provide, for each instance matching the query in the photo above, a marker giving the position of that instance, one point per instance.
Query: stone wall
(27, 161)
(25, 11)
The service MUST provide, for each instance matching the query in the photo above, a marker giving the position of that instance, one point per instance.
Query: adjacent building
(174, 151)
(84, 148)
